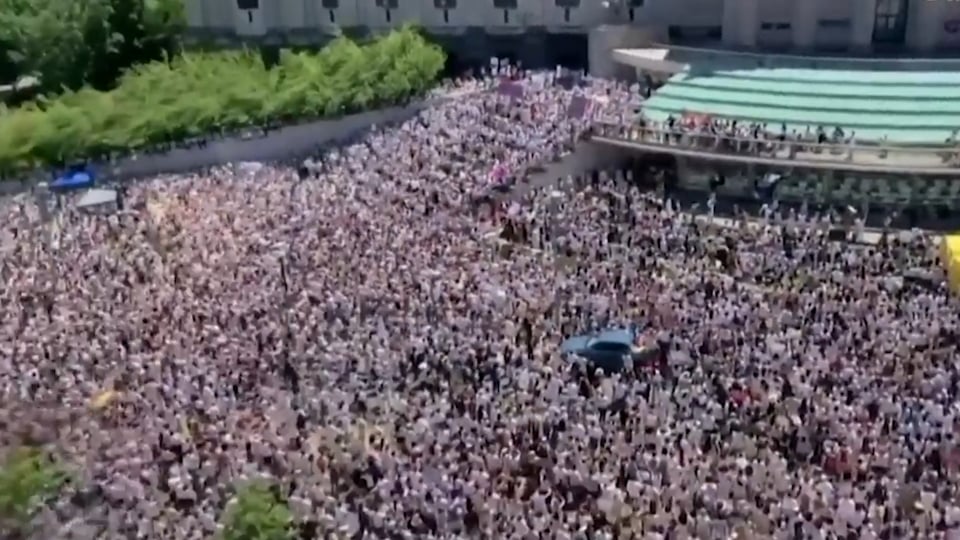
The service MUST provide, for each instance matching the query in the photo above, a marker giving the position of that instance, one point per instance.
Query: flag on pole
(510, 88)
(498, 173)
(103, 399)
(580, 107)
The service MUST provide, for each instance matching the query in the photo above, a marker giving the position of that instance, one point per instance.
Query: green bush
(27, 478)
(71, 43)
(257, 514)
(201, 93)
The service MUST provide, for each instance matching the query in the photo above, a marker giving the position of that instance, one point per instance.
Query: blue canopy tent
(73, 179)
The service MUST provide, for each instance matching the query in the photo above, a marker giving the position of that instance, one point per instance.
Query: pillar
(740, 23)
(805, 16)
(925, 25)
(750, 22)
(864, 12)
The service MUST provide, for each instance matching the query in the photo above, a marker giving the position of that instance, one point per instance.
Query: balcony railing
(900, 157)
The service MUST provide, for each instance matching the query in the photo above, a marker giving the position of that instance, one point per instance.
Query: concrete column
(805, 18)
(740, 23)
(731, 23)
(864, 12)
(925, 25)
(749, 22)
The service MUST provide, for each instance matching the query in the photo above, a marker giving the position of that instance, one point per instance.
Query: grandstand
(907, 107)
(897, 154)
(905, 101)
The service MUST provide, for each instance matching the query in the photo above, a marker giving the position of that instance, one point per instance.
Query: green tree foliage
(27, 478)
(197, 94)
(69, 43)
(257, 513)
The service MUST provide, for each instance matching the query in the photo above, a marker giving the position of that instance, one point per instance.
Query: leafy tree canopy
(70, 43)
(257, 513)
(196, 94)
(27, 478)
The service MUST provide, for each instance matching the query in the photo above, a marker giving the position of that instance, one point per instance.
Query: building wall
(828, 25)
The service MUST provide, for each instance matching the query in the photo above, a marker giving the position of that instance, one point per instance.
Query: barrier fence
(946, 158)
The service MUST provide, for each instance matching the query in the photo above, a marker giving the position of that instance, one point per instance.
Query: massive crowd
(727, 135)
(367, 339)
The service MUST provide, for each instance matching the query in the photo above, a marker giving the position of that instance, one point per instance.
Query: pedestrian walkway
(921, 161)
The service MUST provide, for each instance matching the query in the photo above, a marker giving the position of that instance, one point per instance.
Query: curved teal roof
(908, 107)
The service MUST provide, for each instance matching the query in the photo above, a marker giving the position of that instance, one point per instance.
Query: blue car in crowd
(608, 349)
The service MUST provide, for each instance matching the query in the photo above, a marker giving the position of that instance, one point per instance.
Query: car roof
(622, 336)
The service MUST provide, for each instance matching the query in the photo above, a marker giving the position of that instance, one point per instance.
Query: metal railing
(688, 53)
(788, 149)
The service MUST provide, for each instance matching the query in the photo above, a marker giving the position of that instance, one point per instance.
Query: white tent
(100, 201)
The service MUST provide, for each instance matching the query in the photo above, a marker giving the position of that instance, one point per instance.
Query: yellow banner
(950, 255)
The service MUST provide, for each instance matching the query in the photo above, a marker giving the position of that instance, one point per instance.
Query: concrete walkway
(863, 159)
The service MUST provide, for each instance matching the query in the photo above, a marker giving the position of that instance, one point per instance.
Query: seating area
(890, 192)
(926, 194)
(905, 107)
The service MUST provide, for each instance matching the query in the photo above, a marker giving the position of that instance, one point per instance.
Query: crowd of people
(730, 135)
(370, 341)
(703, 131)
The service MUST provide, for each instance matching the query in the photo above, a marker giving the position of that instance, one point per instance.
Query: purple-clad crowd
(371, 343)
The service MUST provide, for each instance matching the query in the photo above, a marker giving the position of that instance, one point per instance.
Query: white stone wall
(799, 24)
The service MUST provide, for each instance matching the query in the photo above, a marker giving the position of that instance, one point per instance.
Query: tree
(134, 32)
(68, 43)
(28, 478)
(199, 94)
(257, 513)
(46, 38)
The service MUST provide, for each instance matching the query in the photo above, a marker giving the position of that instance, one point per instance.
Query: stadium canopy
(656, 60)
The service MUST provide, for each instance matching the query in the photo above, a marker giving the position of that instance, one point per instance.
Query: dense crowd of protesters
(369, 340)
(731, 135)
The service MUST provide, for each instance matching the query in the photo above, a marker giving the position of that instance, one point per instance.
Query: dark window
(330, 4)
(634, 4)
(567, 3)
(250, 16)
(505, 4)
(775, 26)
(388, 4)
(890, 22)
(834, 23)
(446, 16)
(611, 347)
(692, 34)
(887, 22)
(248, 4)
(333, 17)
(889, 7)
